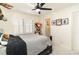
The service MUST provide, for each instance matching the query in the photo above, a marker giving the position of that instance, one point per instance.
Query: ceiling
(27, 7)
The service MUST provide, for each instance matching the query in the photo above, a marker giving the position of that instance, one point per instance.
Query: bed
(36, 44)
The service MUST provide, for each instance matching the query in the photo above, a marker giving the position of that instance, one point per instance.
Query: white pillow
(1, 37)
(4, 43)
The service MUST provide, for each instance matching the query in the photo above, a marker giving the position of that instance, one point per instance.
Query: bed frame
(48, 50)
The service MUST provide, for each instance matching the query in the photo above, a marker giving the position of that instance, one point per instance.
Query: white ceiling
(27, 7)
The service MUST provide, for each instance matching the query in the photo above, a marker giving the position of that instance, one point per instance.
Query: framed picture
(65, 21)
(58, 22)
(53, 22)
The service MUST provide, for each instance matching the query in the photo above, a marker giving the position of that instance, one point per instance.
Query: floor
(64, 53)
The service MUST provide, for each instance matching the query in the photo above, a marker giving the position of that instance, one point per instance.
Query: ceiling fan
(6, 5)
(39, 7)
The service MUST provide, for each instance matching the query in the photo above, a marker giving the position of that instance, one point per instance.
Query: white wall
(75, 32)
(13, 17)
(62, 35)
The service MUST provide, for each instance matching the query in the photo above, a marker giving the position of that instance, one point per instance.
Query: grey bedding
(35, 43)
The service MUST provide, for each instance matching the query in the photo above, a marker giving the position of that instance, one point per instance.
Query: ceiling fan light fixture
(38, 10)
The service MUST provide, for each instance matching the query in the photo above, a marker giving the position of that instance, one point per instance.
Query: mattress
(35, 44)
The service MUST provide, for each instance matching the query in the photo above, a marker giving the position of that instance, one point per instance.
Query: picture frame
(58, 22)
(65, 21)
(53, 22)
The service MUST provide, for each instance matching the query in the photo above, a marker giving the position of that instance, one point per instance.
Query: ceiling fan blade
(46, 8)
(37, 6)
(42, 4)
(8, 6)
(33, 9)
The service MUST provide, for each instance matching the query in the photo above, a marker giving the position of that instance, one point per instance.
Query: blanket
(16, 46)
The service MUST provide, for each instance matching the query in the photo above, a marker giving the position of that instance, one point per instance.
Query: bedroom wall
(62, 35)
(75, 32)
(12, 18)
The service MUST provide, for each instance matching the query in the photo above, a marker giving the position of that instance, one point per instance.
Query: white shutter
(25, 26)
